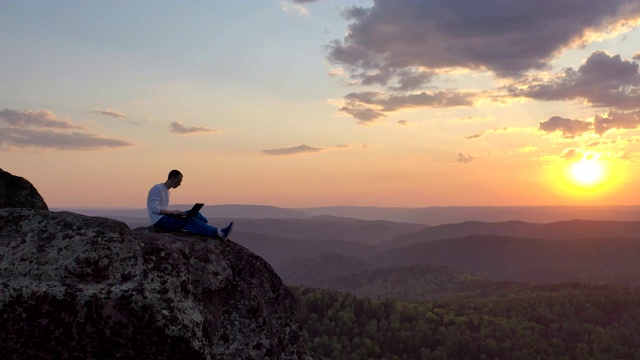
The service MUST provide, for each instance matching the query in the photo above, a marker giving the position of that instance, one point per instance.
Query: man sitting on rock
(175, 220)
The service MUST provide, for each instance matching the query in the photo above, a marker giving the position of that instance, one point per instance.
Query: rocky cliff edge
(79, 287)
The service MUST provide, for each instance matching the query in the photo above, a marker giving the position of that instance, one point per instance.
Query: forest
(552, 321)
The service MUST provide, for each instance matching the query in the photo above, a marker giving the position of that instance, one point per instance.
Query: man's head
(174, 179)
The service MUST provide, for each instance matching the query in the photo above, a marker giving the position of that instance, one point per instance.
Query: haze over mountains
(378, 251)
(435, 215)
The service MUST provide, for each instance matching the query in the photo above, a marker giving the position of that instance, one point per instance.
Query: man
(175, 220)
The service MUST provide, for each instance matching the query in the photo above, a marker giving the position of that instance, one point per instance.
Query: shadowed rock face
(78, 287)
(17, 192)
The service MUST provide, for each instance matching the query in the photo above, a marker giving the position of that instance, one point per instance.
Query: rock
(79, 287)
(17, 192)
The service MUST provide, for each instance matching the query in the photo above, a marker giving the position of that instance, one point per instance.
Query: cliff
(79, 287)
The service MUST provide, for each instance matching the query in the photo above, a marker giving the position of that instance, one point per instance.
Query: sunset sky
(298, 103)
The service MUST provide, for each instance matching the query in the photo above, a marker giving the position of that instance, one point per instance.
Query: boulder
(17, 192)
(79, 287)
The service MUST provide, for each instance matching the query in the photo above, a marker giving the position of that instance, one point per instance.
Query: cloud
(368, 106)
(464, 158)
(109, 112)
(364, 114)
(177, 127)
(295, 7)
(301, 149)
(43, 129)
(603, 81)
(48, 139)
(436, 99)
(37, 118)
(572, 154)
(493, 129)
(505, 37)
(570, 128)
(616, 120)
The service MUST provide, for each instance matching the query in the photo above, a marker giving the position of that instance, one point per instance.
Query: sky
(303, 103)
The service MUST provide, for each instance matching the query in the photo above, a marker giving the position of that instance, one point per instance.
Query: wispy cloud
(464, 158)
(35, 118)
(369, 106)
(436, 99)
(42, 129)
(109, 112)
(295, 7)
(300, 149)
(178, 127)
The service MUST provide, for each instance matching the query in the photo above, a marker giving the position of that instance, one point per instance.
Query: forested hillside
(532, 322)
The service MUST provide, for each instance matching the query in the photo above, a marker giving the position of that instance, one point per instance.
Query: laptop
(194, 211)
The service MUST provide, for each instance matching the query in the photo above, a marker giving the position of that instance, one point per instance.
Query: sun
(592, 177)
(587, 172)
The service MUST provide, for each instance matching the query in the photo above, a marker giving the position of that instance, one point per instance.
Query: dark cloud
(464, 158)
(301, 149)
(43, 129)
(505, 37)
(616, 120)
(177, 127)
(109, 112)
(570, 128)
(37, 118)
(603, 81)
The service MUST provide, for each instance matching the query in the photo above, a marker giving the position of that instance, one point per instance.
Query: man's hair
(174, 174)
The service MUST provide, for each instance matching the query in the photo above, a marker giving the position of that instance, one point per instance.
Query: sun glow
(593, 178)
(587, 172)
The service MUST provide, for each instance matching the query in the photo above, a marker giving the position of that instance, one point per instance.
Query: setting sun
(587, 172)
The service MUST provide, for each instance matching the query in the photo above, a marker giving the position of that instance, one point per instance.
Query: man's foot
(226, 231)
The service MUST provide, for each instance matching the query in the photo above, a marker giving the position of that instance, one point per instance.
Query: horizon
(312, 103)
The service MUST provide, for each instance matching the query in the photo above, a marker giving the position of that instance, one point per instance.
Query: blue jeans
(196, 224)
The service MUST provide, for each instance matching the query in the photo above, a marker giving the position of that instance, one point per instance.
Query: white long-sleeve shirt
(157, 200)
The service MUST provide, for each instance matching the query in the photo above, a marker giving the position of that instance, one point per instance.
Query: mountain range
(421, 261)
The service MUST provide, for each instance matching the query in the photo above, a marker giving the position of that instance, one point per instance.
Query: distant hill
(314, 271)
(436, 215)
(599, 260)
(326, 228)
(573, 229)
(410, 283)
(279, 249)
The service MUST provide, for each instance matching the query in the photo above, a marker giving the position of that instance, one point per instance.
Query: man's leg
(201, 217)
(197, 226)
(171, 223)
